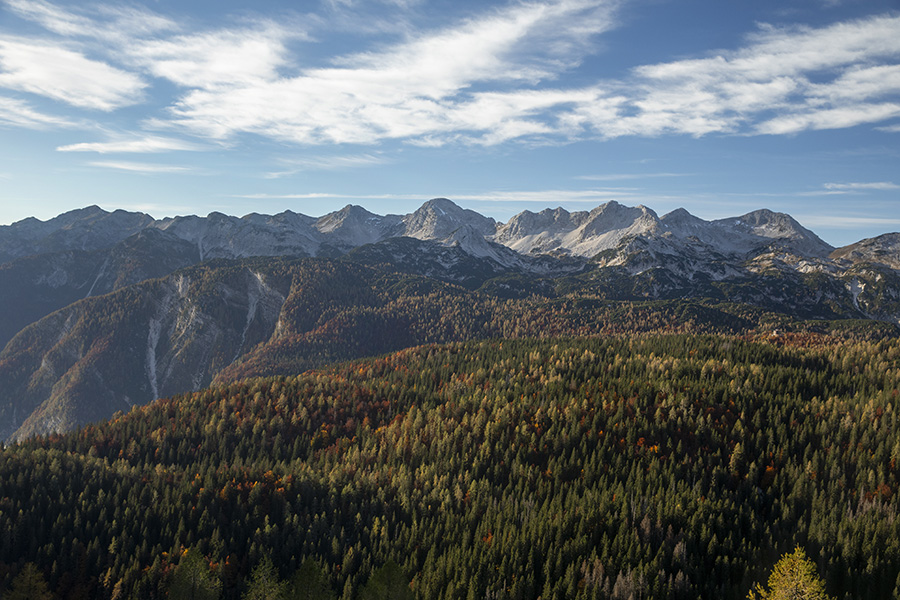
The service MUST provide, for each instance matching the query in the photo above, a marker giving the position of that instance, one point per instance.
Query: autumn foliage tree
(793, 578)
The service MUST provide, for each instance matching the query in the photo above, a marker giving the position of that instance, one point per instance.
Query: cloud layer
(493, 78)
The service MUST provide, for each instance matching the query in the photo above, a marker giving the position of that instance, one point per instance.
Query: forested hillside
(622, 467)
(100, 311)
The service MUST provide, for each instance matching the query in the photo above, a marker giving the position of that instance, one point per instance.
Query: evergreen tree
(310, 583)
(193, 579)
(264, 583)
(29, 585)
(387, 583)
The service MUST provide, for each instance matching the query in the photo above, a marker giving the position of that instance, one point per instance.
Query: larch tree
(794, 577)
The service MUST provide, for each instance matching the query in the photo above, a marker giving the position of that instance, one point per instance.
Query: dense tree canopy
(637, 466)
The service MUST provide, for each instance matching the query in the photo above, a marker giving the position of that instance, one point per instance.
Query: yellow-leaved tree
(793, 578)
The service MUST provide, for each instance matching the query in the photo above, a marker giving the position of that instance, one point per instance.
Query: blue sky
(191, 107)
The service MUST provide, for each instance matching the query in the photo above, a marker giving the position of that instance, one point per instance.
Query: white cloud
(737, 91)
(148, 144)
(859, 84)
(422, 91)
(418, 89)
(629, 176)
(874, 185)
(329, 163)
(220, 58)
(111, 23)
(21, 114)
(67, 76)
(846, 222)
(137, 167)
(829, 118)
(487, 80)
(51, 17)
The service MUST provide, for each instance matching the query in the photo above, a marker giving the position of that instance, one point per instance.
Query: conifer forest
(613, 467)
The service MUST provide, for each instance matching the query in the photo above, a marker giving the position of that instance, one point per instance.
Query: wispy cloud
(860, 186)
(218, 60)
(149, 144)
(846, 222)
(21, 114)
(629, 176)
(328, 163)
(113, 23)
(67, 76)
(738, 91)
(138, 167)
(490, 79)
(782, 82)
(417, 90)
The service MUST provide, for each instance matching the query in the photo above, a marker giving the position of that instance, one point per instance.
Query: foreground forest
(615, 467)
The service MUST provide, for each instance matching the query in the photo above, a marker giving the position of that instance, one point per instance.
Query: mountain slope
(86, 229)
(225, 320)
(108, 353)
(674, 468)
(35, 286)
(70, 357)
(882, 250)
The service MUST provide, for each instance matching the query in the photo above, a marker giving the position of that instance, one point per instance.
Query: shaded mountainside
(157, 338)
(86, 327)
(35, 286)
(233, 319)
(675, 467)
(91, 252)
(684, 252)
(225, 320)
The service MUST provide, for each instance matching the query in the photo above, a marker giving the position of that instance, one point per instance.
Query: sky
(173, 108)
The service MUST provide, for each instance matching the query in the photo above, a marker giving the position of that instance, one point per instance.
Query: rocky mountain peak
(439, 217)
(883, 249)
(780, 229)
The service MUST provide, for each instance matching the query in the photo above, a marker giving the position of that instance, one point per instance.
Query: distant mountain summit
(550, 231)
(88, 228)
(611, 235)
(101, 310)
(882, 250)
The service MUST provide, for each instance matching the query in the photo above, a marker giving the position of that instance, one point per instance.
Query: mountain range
(100, 311)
